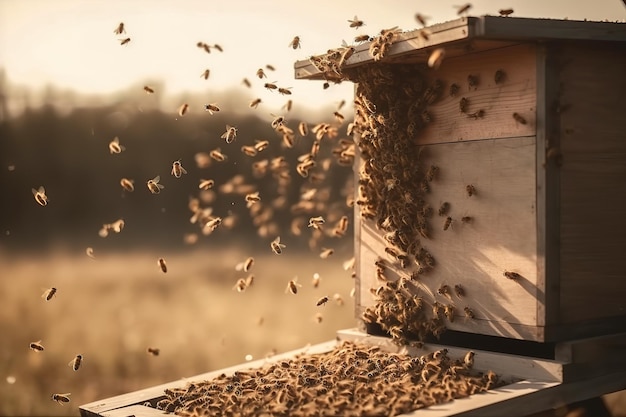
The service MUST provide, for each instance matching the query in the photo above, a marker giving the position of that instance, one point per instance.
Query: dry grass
(112, 308)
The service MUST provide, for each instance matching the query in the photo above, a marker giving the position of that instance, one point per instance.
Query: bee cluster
(351, 379)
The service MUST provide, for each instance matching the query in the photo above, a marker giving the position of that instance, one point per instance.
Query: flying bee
(261, 145)
(89, 252)
(260, 73)
(246, 82)
(471, 190)
(49, 293)
(463, 9)
(512, 275)
(271, 86)
(421, 19)
(292, 286)
(162, 265)
(154, 186)
(356, 23)
(303, 128)
(241, 285)
(120, 29)
(469, 313)
(499, 76)
(325, 85)
(361, 38)
(218, 47)
(454, 89)
(270, 67)
(443, 209)
(182, 110)
(212, 224)
(205, 74)
(115, 147)
(295, 42)
(472, 81)
(316, 280)
(36, 346)
(339, 117)
(276, 246)
(61, 398)
(177, 169)
(247, 264)
(40, 196)
(124, 41)
(230, 134)
(519, 118)
(505, 12)
(436, 58)
(253, 198)
(326, 252)
(322, 301)
(148, 89)
(255, 103)
(153, 351)
(463, 104)
(206, 184)
(249, 150)
(341, 227)
(127, 184)
(466, 219)
(285, 91)
(76, 362)
(459, 290)
(345, 55)
(318, 318)
(288, 105)
(316, 222)
(447, 223)
(211, 108)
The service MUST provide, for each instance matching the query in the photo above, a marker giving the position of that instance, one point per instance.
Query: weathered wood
(592, 349)
(134, 411)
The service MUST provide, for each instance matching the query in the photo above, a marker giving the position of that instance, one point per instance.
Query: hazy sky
(71, 43)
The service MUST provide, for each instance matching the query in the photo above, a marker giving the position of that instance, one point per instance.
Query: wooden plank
(591, 349)
(134, 411)
(592, 188)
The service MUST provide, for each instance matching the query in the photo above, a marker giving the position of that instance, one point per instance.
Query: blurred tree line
(67, 152)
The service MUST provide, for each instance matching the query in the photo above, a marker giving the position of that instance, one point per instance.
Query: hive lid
(469, 34)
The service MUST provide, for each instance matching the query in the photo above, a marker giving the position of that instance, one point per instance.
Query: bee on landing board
(505, 12)
(177, 169)
(154, 186)
(471, 190)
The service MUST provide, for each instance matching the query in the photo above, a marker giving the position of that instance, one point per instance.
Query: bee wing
(183, 170)
(35, 192)
(156, 179)
(161, 186)
(71, 363)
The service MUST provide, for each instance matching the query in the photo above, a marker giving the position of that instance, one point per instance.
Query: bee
(120, 29)
(339, 117)
(76, 362)
(260, 73)
(212, 224)
(468, 359)
(277, 122)
(241, 285)
(40, 196)
(499, 76)
(115, 147)
(230, 134)
(177, 169)
(463, 103)
(270, 67)
(295, 42)
(512, 275)
(449, 312)
(61, 398)
(271, 86)
(443, 209)
(49, 293)
(127, 184)
(318, 318)
(205, 74)
(292, 286)
(454, 89)
(288, 105)
(459, 290)
(477, 114)
(472, 80)
(249, 150)
(341, 227)
(424, 34)
(285, 91)
(261, 145)
(444, 290)
(211, 108)
(316, 222)
(447, 223)
(276, 246)
(247, 264)
(124, 41)
(255, 103)
(316, 280)
(346, 54)
(432, 173)
(206, 184)
(253, 198)
(153, 351)
(466, 219)
(182, 110)
(154, 186)
(218, 47)
(361, 38)
(325, 85)
(303, 128)
(463, 9)
(89, 252)
(326, 252)
(36, 346)
(322, 301)
(148, 89)
(246, 82)
(471, 190)
(162, 265)
(421, 19)
(505, 12)
(469, 313)
(356, 23)
(519, 118)
(436, 58)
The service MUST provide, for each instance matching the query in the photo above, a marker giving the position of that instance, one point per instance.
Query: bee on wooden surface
(295, 42)
(444, 208)
(127, 184)
(211, 108)
(205, 74)
(436, 58)
(61, 398)
(271, 86)
(505, 12)
(292, 286)
(206, 184)
(284, 91)
(421, 19)
(432, 173)
(36, 346)
(459, 290)
(454, 89)
(260, 73)
(361, 38)
(49, 293)
(444, 290)
(466, 219)
(499, 76)
(470, 189)
(512, 275)
(89, 252)
(148, 89)
(519, 118)
(40, 196)
(154, 186)
(177, 169)
(230, 134)
(322, 301)
(115, 147)
(246, 82)
(463, 104)
(477, 114)
(356, 23)
(303, 129)
(183, 109)
(469, 313)
(255, 103)
(153, 351)
(120, 29)
(449, 311)
(276, 246)
(124, 41)
(326, 252)
(472, 81)
(162, 265)
(76, 362)
(463, 9)
(447, 223)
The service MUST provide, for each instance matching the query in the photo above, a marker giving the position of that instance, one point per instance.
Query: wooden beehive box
(549, 198)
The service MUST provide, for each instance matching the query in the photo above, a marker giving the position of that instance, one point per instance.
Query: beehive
(524, 121)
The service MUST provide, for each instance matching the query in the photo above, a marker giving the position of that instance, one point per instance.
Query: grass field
(110, 309)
